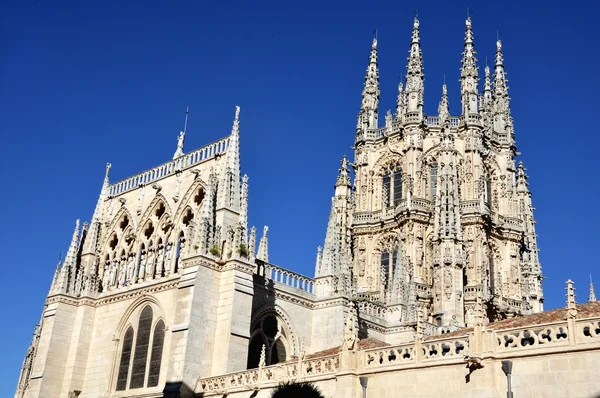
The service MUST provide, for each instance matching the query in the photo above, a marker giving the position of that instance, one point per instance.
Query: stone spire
(486, 103)
(501, 110)
(414, 77)
(368, 115)
(469, 77)
(400, 102)
(229, 183)
(91, 242)
(67, 277)
(243, 223)
(444, 107)
(335, 252)
(530, 263)
(252, 245)
(571, 304)
(592, 297)
(263, 246)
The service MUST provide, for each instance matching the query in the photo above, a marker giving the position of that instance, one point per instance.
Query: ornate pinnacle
(263, 246)
(367, 117)
(414, 77)
(501, 99)
(522, 177)
(444, 107)
(401, 102)
(592, 296)
(571, 305)
(469, 76)
(343, 178)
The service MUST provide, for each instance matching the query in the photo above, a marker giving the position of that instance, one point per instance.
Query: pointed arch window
(392, 187)
(270, 332)
(144, 369)
(385, 267)
(488, 191)
(433, 173)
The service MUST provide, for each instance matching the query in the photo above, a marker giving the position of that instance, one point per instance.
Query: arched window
(488, 192)
(392, 187)
(132, 374)
(125, 359)
(433, 172)
(270, 332)
(388, 267)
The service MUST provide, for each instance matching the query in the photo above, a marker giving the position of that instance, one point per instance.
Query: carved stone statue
(160, 258)
(142, 270)
(168, 256)
(131, 270)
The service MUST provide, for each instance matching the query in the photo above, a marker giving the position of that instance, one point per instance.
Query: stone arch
(132, 321)
(188, 197)
(388, 240)
(114, 225)
(386, 162)
(148, 213)
(279, 312)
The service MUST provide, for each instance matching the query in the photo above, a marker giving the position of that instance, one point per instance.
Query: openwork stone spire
(501, 108)
(469, 77)
(592, 296)
(487, 100)
(414, 77)
(368, 115)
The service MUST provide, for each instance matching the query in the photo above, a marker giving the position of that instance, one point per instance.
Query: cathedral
(429, 270)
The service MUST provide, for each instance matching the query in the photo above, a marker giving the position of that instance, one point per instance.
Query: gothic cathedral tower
(438, 224)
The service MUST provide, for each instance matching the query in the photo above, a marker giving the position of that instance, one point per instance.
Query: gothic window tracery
(141, 352)
(271, 332)
(433, 173)
(391, 185)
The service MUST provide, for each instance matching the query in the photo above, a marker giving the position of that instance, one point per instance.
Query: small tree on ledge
(243, 251)
(299, 390)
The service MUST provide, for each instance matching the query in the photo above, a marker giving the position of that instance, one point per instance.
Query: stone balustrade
(478, 344)
(166, 169)
(269, 376)
(288, 278)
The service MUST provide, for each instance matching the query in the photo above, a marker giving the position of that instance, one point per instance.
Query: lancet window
(389, 260)
(271, 332)
(141, 353)
(392, 186)
(433, 173)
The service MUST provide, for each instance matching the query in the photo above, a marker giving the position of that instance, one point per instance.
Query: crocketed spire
(368, 115)
(414, 76)
(469, 76)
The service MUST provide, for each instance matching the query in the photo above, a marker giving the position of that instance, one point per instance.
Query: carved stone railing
(478, 345)
(420, 204)
(287, 277)
(271, 375)
(532, 337)
(366, 217)
(372, 308)
(190, 159)
(369, 296)
(417, 352)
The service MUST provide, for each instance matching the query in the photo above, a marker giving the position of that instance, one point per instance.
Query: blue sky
(83, 83)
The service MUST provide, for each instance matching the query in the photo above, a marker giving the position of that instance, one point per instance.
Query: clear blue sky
(86, 82)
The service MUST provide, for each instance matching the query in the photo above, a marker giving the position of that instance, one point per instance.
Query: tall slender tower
(440, 218)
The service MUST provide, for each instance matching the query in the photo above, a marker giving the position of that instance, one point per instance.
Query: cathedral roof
(584, 310)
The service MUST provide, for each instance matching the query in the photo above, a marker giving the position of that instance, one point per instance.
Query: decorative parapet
(286, 277)
(270, 376)
(176, 165)
(480, 343)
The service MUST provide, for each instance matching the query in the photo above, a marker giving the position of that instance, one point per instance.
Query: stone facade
(430, 250)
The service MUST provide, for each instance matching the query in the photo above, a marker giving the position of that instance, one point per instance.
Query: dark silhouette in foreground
(293, 390)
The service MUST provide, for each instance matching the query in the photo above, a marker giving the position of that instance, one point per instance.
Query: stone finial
(343, 178)
(263, 246)
(350, 331)
(263, 356)
(571, 305)
(592, 296)
(368, 114)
